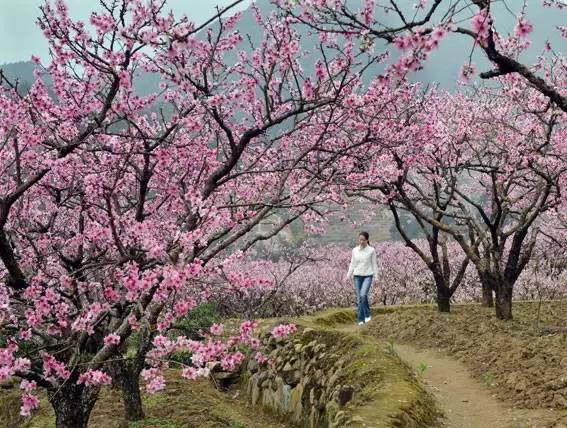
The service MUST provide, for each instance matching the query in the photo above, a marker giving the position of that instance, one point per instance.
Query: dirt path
(466, 402)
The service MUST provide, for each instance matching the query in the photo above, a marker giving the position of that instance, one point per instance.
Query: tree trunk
(504, 301)
(443, 296)
(127, 377)
(131, 397)
(487, 295)
(73, 404)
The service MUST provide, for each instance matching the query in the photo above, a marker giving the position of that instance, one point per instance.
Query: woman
(364, 268)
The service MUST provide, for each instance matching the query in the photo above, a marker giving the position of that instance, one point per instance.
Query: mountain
(442, 67)
(20, 71)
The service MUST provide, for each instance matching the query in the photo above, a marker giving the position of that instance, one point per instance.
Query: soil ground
(486, 372)
(483, 372)
(466, 402)
(184, 404)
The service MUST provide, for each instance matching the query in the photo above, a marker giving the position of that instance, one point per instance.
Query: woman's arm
(374, 265)
(351, 266)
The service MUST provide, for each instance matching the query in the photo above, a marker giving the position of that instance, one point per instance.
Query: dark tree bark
(73, 404)
(487, 295)
(126, 376)
(504, 301)
(436, 259)
(443, 296)
(131, 396)
(126, 372)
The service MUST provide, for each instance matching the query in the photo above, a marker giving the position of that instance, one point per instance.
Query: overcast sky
(20, 36)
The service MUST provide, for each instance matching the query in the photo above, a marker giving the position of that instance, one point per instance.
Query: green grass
(488, 379)
(387, 392)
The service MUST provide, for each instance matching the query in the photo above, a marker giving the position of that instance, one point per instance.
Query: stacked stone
(304, 384)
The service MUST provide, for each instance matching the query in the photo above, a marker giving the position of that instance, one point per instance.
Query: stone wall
(306, 384)
(330, 374)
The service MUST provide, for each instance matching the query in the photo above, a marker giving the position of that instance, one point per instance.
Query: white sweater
(363, 262)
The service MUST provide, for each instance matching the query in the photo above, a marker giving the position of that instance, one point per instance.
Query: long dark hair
(366, 236)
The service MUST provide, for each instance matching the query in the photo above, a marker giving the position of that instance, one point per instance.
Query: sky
(20, 38)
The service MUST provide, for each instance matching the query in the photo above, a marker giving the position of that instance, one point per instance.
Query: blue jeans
(362, 287)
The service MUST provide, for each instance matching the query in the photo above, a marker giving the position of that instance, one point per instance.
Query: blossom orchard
(302, 281)
(117, 210)
(482, 168)
(403, 278)
(112, 203)
(533, 90)
(307, 284)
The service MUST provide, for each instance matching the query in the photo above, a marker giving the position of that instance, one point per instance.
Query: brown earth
(521, 363)
(184, 404)
(524, 361)
(466, 402)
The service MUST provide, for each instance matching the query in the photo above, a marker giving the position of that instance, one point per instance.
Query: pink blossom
(246, 329)
(481, 25)
(193, 373)
(467, 72)
(94, 377)
(22, 365)
(261, 358)
(54, 368)
(155, 381)
(28, 386)
(112, 339)
(231, 361)
(523, 27)
(438, 33)
(217, 329)
(26, 335)
(29, 402)
(255, 343)
(284, 330)
(133, 322)
(308, 89)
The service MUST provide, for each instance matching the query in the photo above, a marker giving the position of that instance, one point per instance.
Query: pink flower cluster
(523, 27)
(54, 370)
(229, 353)
(193, 373)
(155, 381)
(29, 401)
(11, 365)
(481, 25)
(112, 339)
(467, 72)
(94, 378)
(216, 329)
(284, 330)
